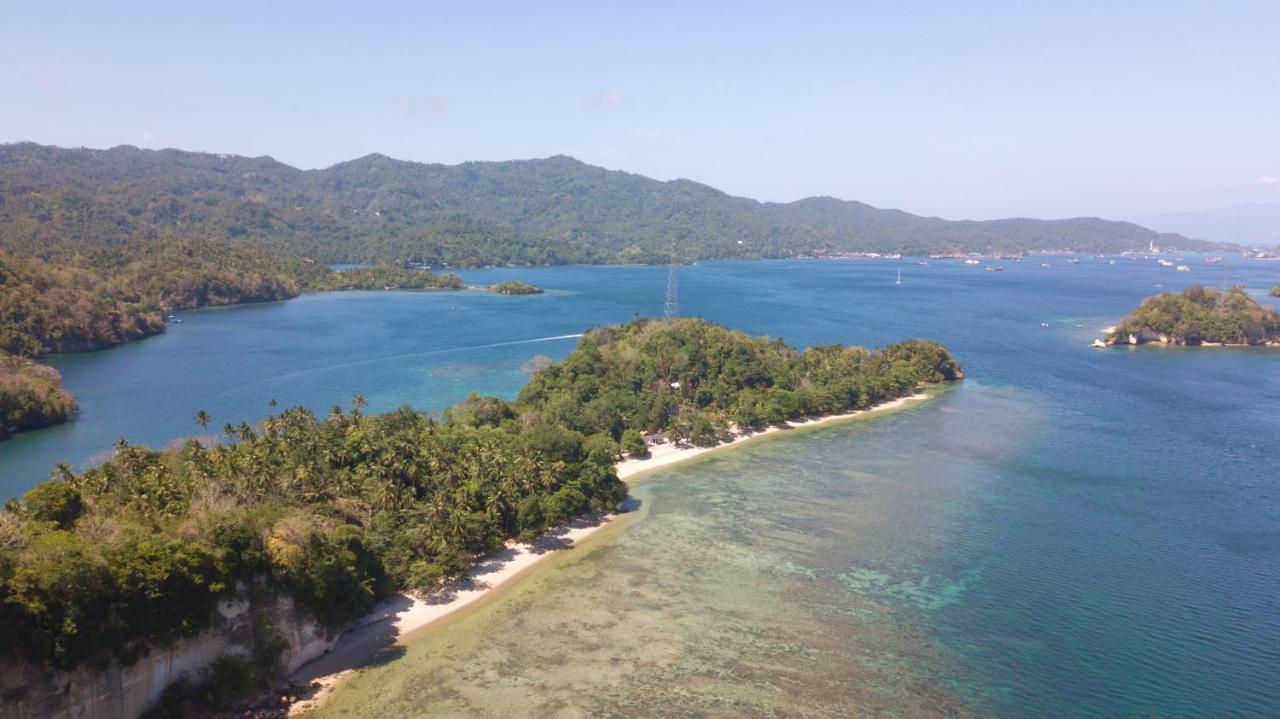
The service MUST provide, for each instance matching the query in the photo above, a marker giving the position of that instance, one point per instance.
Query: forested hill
(528, 211)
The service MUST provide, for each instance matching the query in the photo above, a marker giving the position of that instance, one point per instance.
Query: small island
(515, 287)
(1275, 291)
(1200, 316)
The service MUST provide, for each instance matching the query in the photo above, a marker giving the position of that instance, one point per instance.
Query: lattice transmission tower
(671, 308)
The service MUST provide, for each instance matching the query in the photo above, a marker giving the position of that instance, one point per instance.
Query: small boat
(899, 277)
(972, 261)
(1074, 261)
(1044, 264)
(1183, 268)
(994, 268)
(175, 321)
(1044, 324)
(1111, 262)
(923, 263)
(1213, 260)
(1098, 344)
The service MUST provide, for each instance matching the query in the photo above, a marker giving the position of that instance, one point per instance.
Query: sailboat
(899, 277)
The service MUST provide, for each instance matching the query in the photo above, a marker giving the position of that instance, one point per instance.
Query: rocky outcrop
(115, 691)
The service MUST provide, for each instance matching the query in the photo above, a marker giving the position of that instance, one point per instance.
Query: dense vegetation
(31, 396)
(1201, 315)
(385, 277)
(515, 287)
(692, 379)
(338, 512)
(556, 210)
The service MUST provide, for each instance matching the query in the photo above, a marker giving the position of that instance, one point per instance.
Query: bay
(1071, 532)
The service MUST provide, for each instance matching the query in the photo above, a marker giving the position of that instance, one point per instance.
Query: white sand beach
(665, 455)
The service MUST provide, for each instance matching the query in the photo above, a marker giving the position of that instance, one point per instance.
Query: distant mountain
(554, 210)
(1250, 225)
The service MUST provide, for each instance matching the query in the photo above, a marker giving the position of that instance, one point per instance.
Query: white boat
(899, 277)
(1184, 268)
(994, 268)
(971, 261)
(1098, 344)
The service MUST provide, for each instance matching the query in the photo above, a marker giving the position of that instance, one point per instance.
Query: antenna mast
(671, 308)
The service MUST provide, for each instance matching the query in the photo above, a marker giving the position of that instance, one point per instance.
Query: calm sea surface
(1068, 533)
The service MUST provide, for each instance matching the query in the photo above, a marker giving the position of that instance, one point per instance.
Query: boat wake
(410, 355)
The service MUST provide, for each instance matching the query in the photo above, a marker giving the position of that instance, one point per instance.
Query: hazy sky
(962, 109)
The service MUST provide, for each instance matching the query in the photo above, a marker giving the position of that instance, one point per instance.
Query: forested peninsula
(1199, 316)
(133, 556)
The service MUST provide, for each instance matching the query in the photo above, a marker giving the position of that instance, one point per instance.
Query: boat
(971, 261)
(899, 277)
(1098, 344)
(1044, 264)
(1074, 261)
(994, 268)
(1183, 268)
(923, 263)
(1111, 262)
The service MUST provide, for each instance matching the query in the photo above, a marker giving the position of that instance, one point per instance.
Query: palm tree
(202, 418)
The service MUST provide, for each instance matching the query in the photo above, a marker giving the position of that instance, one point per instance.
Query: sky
(957, 109)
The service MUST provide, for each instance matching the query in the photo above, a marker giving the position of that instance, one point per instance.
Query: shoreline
(402, 614)
(665, 455)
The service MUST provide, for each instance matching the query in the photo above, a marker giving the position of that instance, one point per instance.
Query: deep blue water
(1118, 547)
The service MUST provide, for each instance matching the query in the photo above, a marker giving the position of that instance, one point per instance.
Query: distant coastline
(402, 615)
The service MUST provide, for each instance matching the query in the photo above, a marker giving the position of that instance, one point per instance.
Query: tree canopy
(1199, 315)
(515, 287)
(692, 379)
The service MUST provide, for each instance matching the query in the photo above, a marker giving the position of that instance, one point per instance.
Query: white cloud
(603, 101)
(428, 108)
(1266, 180)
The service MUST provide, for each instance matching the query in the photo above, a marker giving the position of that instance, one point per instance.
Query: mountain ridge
(558, 209)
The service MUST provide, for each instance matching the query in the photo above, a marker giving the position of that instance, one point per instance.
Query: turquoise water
(1069, 533)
